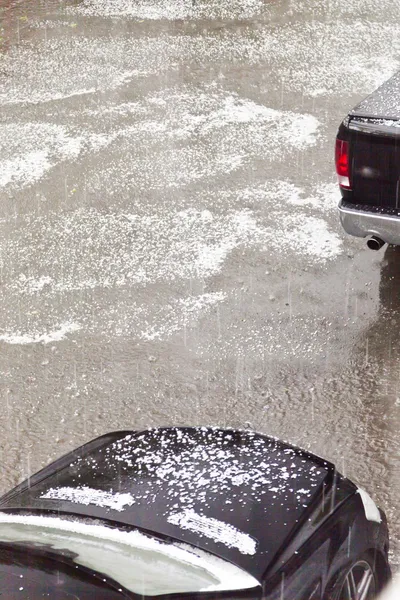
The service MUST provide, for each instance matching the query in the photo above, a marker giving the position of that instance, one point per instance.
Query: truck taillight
(342, 163)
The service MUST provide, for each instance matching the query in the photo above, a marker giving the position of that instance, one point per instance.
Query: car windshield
(139, 563)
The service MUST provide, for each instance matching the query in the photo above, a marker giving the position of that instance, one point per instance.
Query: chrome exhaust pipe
(375, 243)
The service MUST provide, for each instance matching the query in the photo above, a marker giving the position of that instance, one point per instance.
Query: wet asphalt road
(170, 251)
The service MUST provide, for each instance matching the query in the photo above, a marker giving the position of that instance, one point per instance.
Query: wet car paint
(168, 256)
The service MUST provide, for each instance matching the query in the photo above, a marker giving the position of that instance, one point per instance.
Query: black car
(199, 513)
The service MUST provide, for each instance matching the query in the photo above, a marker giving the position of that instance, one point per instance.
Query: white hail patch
(276, 193)
(134, 249)
(304, 57)
(186, 310)
(28, 150)
(224, 111)
(32, 286)
(214, 529)
(173, 9)
(325, 197)
(309, 55)
(307, 236)
(211, 133)
(354, 8)
(189, 111)
(61, 68)
(50, 24)
(87, 495)
(35, 338)
(295, 231)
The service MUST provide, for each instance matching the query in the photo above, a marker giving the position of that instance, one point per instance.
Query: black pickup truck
(368, 167)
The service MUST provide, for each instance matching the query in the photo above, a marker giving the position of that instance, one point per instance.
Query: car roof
(238, 494)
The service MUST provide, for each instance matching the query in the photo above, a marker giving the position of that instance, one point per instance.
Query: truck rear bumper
(359, 221)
